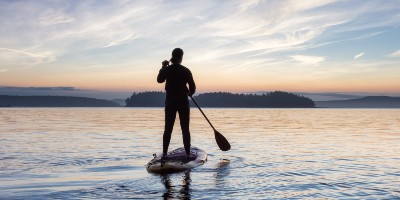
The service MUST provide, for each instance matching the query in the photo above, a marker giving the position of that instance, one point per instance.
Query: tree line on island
(276, 99)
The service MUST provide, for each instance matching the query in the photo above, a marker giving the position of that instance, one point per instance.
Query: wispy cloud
(395, 54)
(62, 88)
(360, 37)
(18, 57)
(52, 17)
(123, 36)
(368, 35)
(287, 24)
(120, 41)
(358, 55)
(238, 27)
(307, 60)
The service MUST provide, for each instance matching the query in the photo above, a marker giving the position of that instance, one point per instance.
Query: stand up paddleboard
(177, 161)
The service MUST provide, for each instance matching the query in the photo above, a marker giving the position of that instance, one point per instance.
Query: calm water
(100, 153)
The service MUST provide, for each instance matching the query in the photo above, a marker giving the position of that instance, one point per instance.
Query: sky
(117, 46)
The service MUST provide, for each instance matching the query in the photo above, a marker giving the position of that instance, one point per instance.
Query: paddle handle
(202, 113)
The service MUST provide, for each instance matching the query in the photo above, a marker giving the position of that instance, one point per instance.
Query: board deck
(177, 161)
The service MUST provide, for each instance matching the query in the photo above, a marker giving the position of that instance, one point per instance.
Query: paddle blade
(222, 142)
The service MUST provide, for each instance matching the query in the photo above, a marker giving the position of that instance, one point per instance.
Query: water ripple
(100, 153)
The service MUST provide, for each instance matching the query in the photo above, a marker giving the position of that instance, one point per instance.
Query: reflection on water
(181, 190)
(174, 191)
(100, 153)
(222, 169)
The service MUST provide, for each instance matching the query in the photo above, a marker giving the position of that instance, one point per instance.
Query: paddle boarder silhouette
(177, 78)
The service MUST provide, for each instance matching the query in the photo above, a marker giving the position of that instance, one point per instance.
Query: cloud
(368, 35)
(18, 57)
(395, 54)
(358, 55)
(287, 24)
(307, 60)
(62, 88)
(360, 37)
(52, 17)
(238, 27)
(125, 36)
(120, 41)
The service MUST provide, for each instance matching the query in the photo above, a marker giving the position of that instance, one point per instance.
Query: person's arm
(192, 85)
(162, 74)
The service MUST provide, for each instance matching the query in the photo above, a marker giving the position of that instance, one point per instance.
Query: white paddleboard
(177, 161)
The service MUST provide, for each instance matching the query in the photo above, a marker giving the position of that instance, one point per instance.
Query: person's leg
(184, 117)
(170, 115)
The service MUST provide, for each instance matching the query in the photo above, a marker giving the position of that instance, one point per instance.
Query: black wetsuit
(177, 77)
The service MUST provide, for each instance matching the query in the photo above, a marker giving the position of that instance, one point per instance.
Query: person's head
(177, 55)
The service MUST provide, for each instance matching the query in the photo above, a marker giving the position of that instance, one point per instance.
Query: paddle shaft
(202, 113)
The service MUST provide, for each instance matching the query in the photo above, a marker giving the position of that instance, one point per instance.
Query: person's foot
(191, 158)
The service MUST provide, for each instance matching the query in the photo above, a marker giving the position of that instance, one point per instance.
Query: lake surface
(101, 153)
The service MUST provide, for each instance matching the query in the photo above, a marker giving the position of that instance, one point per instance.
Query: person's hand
(165, 63)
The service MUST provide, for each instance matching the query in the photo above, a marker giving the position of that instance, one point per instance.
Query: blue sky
(304, 46)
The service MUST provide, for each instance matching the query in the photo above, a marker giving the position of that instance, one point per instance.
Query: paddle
(222, 142)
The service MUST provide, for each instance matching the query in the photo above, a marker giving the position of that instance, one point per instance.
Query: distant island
(277, 99)
(364, 102)
(53, 101)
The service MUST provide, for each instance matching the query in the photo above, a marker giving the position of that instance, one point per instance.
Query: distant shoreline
(210, 100)
(53, 101)
(364, 102)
